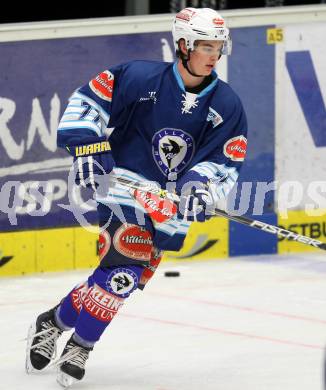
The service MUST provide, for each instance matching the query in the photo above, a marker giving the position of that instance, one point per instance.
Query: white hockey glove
(92, 159)
(198, 198)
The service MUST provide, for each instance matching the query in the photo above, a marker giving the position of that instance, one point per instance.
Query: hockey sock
(150, 269)
(108, 288)
(70, 307)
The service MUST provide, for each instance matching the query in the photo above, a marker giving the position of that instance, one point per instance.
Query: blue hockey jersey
(158, 130)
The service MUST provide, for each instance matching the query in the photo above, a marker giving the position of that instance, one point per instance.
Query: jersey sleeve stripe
(73, 125)
(81, 97)
(218, 171)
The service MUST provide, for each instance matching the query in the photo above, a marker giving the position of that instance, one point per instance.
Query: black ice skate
(41, 341)
(71, 365)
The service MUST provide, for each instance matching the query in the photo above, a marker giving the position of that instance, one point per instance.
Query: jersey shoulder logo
(172, 150)
(235, 148)
(102, 85)
(214, 117)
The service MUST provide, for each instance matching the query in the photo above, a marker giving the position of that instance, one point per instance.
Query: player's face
(204, 56)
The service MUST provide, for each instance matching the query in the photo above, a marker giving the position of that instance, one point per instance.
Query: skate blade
(28, 365)
(64, 379)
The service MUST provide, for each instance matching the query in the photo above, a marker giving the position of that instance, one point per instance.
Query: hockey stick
(266, 227)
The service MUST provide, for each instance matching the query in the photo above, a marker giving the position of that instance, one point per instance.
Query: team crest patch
(122, 281)
(172, 150)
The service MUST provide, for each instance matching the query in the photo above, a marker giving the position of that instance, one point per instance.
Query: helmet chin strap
(185, 65)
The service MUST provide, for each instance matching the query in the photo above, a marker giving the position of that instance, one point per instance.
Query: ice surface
(250, 323)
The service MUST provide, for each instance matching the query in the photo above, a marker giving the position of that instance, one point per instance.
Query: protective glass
(208, 50)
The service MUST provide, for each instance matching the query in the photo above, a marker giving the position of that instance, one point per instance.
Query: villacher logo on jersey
(102, 85)
(235, 148)
(159, 209)
(152, 96)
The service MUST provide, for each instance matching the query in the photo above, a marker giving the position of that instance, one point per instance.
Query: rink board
(77, 248)
(47, 250)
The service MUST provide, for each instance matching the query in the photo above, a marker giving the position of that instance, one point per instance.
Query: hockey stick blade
(265, 227)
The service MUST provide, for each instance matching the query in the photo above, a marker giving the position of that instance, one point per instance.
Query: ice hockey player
(145, 121)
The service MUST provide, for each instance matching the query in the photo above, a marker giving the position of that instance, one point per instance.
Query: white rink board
(296, 156)
(250, 324)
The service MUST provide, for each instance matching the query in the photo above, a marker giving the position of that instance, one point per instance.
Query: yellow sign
(274, 35)
(47, 250)
(75, 248)
(209, 240)
(301, 223)
(17, 253)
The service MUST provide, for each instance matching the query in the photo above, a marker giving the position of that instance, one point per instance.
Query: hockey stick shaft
(263, 226)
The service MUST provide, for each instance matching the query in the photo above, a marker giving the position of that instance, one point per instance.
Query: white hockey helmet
(194, 24)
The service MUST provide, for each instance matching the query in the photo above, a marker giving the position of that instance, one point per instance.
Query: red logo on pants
(104, 243)
(133, 241)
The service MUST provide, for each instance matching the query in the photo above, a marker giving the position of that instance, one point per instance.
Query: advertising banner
(300, 136)
(37, 78)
